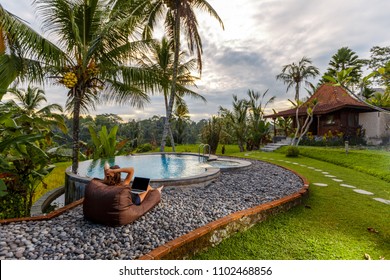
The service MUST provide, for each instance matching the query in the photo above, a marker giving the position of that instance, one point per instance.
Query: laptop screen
(140, 183)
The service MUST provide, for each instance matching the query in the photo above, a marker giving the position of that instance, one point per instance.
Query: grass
(54, 180)
(333, 224)
(372, 162)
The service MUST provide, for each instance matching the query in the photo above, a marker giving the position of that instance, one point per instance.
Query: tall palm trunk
(172, 139)
(296, 116)
(174, 78)
(76, 130)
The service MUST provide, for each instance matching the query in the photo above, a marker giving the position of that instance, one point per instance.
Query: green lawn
(334, 223)
(372, 162)
(54, 180)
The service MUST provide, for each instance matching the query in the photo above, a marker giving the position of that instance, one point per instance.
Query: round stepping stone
(317, 170)
(310, 167)
(363, 192)
(337, 180)
(295, 163)
(330, 176)
(385, 201)
(347, 186)
(324, 172)
(303, 165)
(320, 184)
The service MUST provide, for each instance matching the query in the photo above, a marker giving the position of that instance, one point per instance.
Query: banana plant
(105, 143)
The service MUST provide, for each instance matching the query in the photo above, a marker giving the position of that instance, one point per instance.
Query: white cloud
(259, 38)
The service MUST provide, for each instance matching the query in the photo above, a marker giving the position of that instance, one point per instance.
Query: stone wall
(376, 126)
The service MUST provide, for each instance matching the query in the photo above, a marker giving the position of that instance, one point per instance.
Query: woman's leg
(145, 193)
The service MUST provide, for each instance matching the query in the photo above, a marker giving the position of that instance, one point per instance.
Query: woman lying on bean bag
(110, 201)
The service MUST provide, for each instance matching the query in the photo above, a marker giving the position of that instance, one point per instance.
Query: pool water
(154, 166)
(224, 163)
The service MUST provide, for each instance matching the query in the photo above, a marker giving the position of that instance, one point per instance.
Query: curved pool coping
(210, 234)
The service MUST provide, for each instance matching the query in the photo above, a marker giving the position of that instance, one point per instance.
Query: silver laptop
(140, 185)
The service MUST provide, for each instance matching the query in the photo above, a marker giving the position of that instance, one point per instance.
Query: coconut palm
(181, 118)
(294, 75)
(343, 59)
(161, 61)
(178, 14)
(92, 44)
(29, 102)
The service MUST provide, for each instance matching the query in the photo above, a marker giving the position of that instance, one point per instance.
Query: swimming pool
(168, 169)
(154, 166)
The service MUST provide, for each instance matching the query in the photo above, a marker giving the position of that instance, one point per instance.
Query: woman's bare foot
(160, 188)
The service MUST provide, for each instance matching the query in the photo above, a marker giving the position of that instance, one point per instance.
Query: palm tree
(237, 120)
(259, 128)
(294, 75)
(161, 61)
(177, 14)
(342, 60)
(29, 103)
(181, 118)
(92, 57)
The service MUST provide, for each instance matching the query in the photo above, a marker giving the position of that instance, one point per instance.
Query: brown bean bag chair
(112, 205)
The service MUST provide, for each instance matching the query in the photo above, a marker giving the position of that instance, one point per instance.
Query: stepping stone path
(347, 186)
(320, 184)
(382, 200)
(334, 178)
(363, 192)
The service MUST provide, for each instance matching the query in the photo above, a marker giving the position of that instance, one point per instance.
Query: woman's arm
(128, 170)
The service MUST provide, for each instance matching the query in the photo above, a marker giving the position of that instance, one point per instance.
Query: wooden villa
(336, 111)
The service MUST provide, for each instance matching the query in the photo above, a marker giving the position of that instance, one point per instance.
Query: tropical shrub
(211, 133)
(292, 151)
(25, 133)
(144, 148)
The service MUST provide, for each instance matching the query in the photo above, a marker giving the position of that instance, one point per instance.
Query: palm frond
(123, 94)
(32, 44)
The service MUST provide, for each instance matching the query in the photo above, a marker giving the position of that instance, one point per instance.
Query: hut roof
(329, 98)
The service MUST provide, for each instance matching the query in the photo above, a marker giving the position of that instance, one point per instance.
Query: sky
(259, 38)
